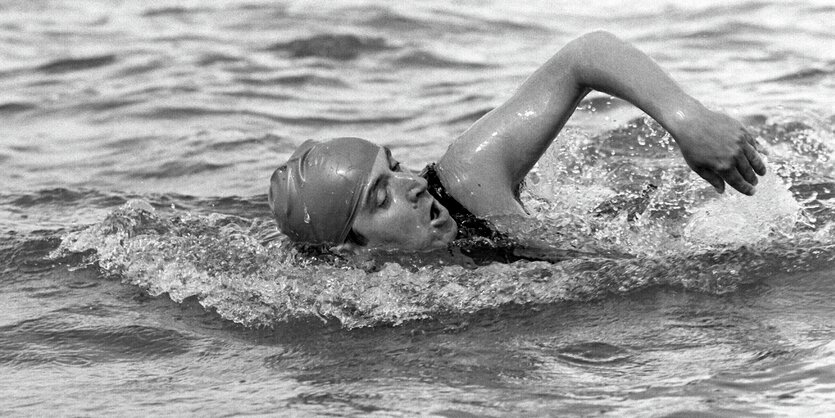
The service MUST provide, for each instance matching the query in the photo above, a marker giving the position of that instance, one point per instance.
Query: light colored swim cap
(315, 194)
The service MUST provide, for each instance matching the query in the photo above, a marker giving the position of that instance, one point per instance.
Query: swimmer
(349, 194)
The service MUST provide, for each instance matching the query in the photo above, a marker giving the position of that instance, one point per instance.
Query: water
(141, 272)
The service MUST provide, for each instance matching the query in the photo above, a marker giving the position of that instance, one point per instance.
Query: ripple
(275, 142)
(30, 256)
(211, 59)
(76, 64)
(330, 121)
(16, 107)
(592, 353)
(179, 112)
(105, 105)
(293, 81)
(338, 47)
(450, 22)
(803, 76)
(427, 59)
(727, 28)
(140, 68)
(387, 19)
(172, 11)
(49, 340)
(728, 9)
(61, 195)
(252, 94)
(251, 207)
(174, 169)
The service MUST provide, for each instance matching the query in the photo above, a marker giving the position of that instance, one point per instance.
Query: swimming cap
(315, 194)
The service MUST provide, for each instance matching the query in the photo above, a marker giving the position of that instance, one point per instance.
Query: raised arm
(484, 166)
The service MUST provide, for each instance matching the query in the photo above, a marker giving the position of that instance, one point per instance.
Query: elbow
(595, 39)
(600, 33)
(586, 50)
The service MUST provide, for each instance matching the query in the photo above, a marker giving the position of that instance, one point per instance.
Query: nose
(414, 184)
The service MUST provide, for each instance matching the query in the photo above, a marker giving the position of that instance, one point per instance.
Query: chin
(446, 238)
(437, 243)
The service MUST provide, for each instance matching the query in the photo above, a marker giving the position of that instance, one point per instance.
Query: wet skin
(483, 167)
(397, 210)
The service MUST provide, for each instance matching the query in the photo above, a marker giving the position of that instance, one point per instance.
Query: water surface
(141, 272)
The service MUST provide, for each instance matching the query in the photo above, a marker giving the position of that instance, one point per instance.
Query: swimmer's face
(398, 212)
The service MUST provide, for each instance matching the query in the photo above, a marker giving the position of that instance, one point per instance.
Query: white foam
(736, 219)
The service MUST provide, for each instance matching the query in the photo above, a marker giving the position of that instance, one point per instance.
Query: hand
(719, 149)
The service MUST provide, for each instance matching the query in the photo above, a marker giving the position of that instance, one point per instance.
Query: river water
(141, 272)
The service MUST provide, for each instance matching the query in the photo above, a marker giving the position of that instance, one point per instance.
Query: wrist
(680, 116)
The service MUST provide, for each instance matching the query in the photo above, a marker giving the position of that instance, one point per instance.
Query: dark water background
(141, 273)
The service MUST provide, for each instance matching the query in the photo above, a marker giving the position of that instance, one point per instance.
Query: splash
(658, 226)
(735, 219)
(220, 260)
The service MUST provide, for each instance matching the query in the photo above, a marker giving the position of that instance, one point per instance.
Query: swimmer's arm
(485, 165)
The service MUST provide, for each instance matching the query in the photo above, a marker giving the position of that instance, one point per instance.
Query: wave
(338, 47)
(162, 113)
(274, 142)
(76, 64)
(63, 196)
(173, 11)
(442, 23)
(295, 80)
(806, 75)
(53, 339)
(16, 107)
(233, 266)
(173, 169)
(418, 59)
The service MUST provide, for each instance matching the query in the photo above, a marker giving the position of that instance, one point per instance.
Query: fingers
(735, 180)
(752, 149)
(743, 177)
(737, 163)
(745, 169)
(749, 138)
(743, 184)
(756, 145)
(713, 179)
(753, 158)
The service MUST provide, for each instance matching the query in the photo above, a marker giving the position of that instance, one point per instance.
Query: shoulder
(480, 188)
